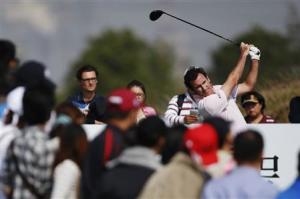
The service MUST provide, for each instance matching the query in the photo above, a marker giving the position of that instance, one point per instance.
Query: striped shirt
(171, 115)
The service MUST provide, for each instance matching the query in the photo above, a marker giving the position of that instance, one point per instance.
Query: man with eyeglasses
(87, 77)
(203, 99)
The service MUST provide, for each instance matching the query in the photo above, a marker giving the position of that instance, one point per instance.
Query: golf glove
(254, 53)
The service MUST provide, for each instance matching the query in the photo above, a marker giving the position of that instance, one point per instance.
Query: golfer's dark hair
(85, 68)
(137, 83)
(150, 130)
(258, 96)
(248, 146)
(191, 74)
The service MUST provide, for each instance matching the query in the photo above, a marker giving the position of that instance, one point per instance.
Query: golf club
(156, 14)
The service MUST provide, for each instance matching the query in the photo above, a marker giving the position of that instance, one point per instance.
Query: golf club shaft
(203, 29)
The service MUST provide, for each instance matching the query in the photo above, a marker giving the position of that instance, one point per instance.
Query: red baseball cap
(122, 100)
(202, 141)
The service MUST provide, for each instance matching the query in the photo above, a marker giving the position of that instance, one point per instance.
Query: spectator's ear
(160, 144)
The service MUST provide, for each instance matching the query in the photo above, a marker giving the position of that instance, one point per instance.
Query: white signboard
(92, 130)
(282, 141)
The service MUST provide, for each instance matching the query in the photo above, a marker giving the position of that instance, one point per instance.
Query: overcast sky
(56, 31)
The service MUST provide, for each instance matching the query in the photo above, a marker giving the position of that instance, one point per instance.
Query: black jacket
(96, 110)
(122, 182)
(105, 147)
(126, 180)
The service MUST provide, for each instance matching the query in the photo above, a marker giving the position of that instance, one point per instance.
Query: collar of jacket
(141, 156)
(183, 158)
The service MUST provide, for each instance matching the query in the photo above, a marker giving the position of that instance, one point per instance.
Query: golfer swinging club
(217, 100)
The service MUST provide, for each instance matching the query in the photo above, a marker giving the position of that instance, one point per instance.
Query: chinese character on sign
(269, 167)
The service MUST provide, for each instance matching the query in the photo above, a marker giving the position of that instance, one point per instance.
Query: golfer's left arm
(249, 83)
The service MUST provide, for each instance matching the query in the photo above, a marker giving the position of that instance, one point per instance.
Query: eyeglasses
(139, 94)
(94, 79)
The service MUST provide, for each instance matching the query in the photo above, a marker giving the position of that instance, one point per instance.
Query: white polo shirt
(218, 104)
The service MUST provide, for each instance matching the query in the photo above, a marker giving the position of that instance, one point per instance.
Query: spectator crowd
(200, 148)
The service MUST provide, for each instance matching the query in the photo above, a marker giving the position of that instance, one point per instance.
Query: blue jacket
(77, 100)
(292, 192)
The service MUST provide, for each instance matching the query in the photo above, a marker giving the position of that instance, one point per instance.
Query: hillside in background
(279, 72)
(278, 96)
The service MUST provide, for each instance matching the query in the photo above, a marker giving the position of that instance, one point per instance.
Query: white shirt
(66, 180)
(218, 104)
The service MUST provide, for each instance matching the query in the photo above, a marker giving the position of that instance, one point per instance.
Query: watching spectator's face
(202, 86)
(88, 81)
(252, 109)
(140, 95)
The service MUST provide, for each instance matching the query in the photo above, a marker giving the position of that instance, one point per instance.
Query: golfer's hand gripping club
(254, 53)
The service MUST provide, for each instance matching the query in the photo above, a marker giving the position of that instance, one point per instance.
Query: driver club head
(154, 15)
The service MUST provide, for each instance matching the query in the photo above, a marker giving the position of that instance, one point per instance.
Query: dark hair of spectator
(85, 68)
(4, 88)
(191, 74)
(221, 126)
(73, 144)
(258, 96)
(173, 142)
(299, 163)
(137, 83)
(150, 130)
(248, 146)
(7, 54)
(38, 103)
(67, 108)
(32, 74)
(130, 136)
(7, 51)
(294, 114)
